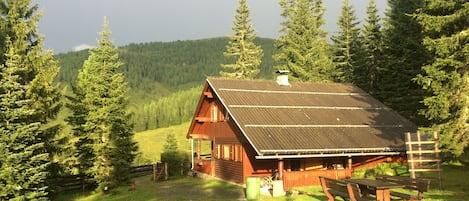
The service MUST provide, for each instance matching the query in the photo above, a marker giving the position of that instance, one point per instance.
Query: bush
(383, 169)
(179, 162)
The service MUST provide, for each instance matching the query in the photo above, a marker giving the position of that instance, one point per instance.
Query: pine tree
(29, 102)
(99, 117)
(366, 75)
(346, 44)
(446, 26)
(404, 57)
(303, 49)
(241, 46)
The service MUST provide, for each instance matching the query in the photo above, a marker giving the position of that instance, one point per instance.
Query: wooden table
(381, 188)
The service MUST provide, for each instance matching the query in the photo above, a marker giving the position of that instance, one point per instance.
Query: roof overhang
(322, 153)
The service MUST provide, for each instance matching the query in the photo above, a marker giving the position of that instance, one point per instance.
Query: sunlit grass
(150, 143)
(455, 188)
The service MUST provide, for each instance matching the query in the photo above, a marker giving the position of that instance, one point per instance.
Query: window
(229, 152)
(226, 152)
(218, 152)
(238, 153)
(295, 165)
(214, 113)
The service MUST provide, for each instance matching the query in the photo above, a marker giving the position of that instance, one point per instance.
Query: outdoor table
(380, 187)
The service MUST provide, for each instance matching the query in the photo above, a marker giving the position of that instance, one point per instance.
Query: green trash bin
(253, 188)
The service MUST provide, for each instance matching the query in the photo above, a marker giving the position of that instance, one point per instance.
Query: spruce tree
(446, 77)
(303, 49)
(241, 46)
(83, 150)
(346, 45)
(366, 74)
(171, 144)
(23, 169)
(404, 57)
(99, 117)
(30, 101)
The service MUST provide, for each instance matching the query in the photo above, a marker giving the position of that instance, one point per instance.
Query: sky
(69, 25)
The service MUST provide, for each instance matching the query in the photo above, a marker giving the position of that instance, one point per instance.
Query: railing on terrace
(311, 177)
(204, 166)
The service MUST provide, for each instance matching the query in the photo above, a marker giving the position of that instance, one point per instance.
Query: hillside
(151, 142)
(165, 67)
(166, 77)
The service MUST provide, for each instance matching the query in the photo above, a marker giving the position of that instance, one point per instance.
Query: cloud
(82, 47)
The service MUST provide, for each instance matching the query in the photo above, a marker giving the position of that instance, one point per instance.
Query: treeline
(165, 77)
(170, 110)
(176, 65)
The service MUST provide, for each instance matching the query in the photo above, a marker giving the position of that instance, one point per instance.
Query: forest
(166, 77)
(77, 113)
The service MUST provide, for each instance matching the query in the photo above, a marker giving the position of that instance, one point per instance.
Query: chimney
(282, 78)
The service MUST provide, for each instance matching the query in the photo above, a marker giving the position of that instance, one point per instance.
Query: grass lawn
(184, 188)
(455, 188)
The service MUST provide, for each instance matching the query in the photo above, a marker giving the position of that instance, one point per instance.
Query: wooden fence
(76, 182)
(142, 170)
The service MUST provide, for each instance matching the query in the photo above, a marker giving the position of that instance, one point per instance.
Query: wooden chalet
(245, 128)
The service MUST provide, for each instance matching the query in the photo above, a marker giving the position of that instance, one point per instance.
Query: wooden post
(437, 156)
(410, 155)
(199, 148)
(349, 162)
(155, 171)
(419, 148)
(165, 171)
(281, 168)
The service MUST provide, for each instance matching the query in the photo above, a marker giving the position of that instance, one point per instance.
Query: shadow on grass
(184, 188)
(455, 186)
(198, 189)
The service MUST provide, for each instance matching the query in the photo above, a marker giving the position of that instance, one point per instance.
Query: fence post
(165, 171)
(155, 171)
(437, 155)
(410, 155)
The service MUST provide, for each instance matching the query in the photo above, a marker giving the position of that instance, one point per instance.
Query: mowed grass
(455, 188)
(455, 185)
(186, 188)
(183, 188)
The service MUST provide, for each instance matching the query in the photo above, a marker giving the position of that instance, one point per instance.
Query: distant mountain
(171, 65)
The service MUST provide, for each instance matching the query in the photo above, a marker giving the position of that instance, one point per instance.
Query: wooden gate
(160, 171)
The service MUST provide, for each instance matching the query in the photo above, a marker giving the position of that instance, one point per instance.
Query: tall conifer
(446, 26)
(366, 75)
(241, 47)
(29, 101)
(303, 49)
(83, 150)
(101, 105)
(404, 57)
(346, 46)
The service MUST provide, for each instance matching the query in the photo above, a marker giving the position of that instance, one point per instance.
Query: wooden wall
(229, 170)
(311, 178)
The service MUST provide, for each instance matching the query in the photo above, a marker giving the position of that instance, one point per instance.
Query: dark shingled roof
(311, 118)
